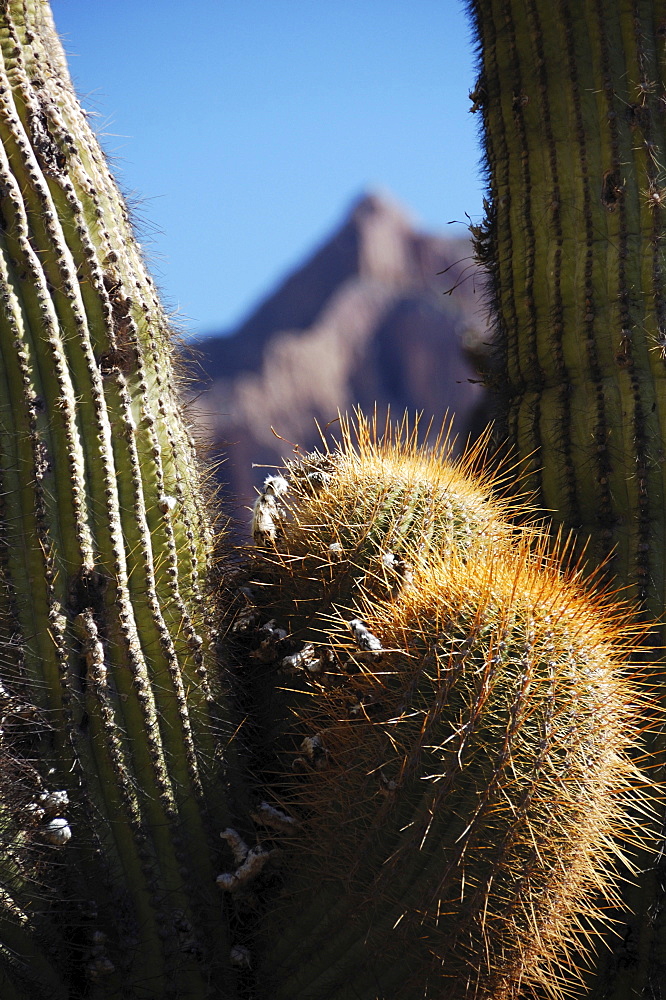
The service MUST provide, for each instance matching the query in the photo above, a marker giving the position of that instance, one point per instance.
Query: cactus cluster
(446, 722)
(414, 779)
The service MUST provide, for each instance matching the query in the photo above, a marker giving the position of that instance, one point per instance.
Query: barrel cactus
(444, 726)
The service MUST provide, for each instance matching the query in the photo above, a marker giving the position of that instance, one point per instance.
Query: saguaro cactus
(572, 96)
(112, 778)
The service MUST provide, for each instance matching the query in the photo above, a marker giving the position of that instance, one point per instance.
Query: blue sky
(246, 128)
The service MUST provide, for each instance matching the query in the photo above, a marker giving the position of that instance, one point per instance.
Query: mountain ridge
(380, 312)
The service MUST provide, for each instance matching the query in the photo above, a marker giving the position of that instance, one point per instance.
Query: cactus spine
(572, 98)
(104, 544)
(449, 725)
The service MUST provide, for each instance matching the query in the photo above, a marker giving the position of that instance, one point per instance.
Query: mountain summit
(367, 318)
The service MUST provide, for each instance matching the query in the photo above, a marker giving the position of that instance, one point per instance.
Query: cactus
(572, 96)
(445, 732)
(470, 697)
(112, 796)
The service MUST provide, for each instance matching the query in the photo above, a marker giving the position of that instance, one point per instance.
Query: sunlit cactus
(449, 720)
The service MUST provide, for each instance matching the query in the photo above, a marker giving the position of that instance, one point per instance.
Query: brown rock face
(365, 320)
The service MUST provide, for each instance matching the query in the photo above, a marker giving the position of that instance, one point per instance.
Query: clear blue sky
(246, 127)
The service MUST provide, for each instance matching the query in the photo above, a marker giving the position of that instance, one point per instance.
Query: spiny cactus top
(451, 719)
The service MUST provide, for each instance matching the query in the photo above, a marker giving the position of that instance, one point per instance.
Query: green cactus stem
(104, 547)
(572, 96)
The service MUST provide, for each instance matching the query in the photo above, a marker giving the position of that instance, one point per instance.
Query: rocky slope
(366, 319)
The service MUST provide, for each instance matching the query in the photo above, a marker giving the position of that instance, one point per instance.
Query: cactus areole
(409, 772)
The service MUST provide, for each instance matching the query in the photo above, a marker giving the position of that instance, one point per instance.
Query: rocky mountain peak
(385, 239)
(365, 320)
